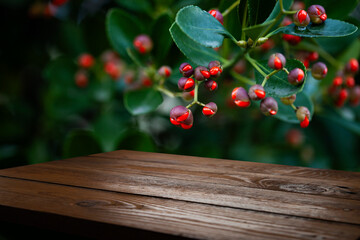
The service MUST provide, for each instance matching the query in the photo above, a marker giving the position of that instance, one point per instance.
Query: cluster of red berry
(315, 13)
(344, 86)
(48, 9)
(85, 61)
(182, 116)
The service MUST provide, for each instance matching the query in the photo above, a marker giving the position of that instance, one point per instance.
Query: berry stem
(269, 76)
(283, 11)
(285, 70)
(134, 58)
(243, 79)
(254, 63)
(168, 92)
(293, 106)
(196, 95)
(229, 9)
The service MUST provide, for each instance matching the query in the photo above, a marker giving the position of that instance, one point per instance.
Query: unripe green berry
(303, 115)
(288, 100)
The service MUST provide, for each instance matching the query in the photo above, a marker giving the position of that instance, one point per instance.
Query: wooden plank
(235, 166)
(329, 187)
(159, 215)
(178, 187)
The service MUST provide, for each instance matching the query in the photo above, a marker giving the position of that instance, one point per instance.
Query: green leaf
(278, 85)
(259, 10)
(201, 27)
(286, 113)
(80, 143)
(121, 28)
(161, 37)
(197, 53)
(142, 101)
(330, 28)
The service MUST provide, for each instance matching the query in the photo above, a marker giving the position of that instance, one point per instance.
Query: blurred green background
(44, 116)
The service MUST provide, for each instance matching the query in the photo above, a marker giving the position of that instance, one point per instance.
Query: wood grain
(314, 193)
(182, 218)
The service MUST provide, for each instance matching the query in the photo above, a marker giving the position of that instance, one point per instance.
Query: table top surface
(185, 196)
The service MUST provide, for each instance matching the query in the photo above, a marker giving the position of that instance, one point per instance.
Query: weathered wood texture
(184, 196)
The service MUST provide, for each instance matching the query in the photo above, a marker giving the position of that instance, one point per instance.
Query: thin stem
(255, 65)
(241, 78)
(293, 106)
(269, 76)
(285, 70)
(283, 11)
(196, 95)
(228, 10)
(244, 23)
(168, 92)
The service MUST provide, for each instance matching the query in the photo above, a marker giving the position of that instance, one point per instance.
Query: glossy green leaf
(278, 85)
(161, 37)
(287, 113)
(142, 101)
(197, 53)
(259, 10)
(80, 143)
(330, 28)
(121, 28)
(201, 27)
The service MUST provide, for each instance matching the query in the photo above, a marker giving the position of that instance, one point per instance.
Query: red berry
(317, 14)
(354, 96)
(147, 82)
(313, 56)
(269, 44)
(186, 69)
(319, 70)
(305, 122)
(192, 93)
(301, 18)
(352, 66)
(292, 39)
(240, 66)
(211, 85)
(240, 97)
(269, 106)
(216, 14)
(277, 61)
(350, 82)
(296, 76)
(288, 100)
(186, 84)
(113, 69)
(297, 5)
(338, 81)
(86, 60)
(81, 79)
(209, 109)
(256, 92)
(215, 70)
(164, 71)
(58, 3)
(143, 43)
(294, 137)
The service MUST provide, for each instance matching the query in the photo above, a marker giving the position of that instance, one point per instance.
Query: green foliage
(331, 28)
(142, 101)
(278, 85)
(122, 28)
(80, 143)
(45, 115)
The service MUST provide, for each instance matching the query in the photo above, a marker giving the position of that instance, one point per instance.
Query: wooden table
(138, 195)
